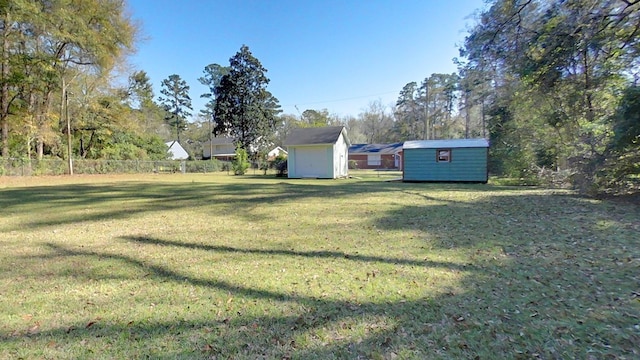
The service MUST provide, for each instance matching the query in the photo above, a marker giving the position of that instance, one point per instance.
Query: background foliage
(552, 84)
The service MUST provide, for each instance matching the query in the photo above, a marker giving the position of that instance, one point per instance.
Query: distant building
(224, 148)
(275, 152)
(176, 151)
(376, 156)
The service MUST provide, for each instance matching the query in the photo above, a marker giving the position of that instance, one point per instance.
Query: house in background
(176, 151)
(223, 148)
(318, 152)
(462, 160)
(275, 152)
(376, 156)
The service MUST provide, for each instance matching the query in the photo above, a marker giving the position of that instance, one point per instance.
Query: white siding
(218, 150)
(176, 151)
(340, 158)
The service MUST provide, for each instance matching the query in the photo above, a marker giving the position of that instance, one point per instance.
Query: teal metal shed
(463, 160)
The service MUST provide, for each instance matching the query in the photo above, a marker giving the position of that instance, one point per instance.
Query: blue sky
(329, 54)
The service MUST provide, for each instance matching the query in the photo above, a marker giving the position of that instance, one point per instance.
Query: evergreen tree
(244, 109)
(213, 74)
(408, 113)
(145, 112)
(140, 90)
(176, 103)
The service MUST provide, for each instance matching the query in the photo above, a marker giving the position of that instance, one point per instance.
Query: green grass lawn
(223, 267)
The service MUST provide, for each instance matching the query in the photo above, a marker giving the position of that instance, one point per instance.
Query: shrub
(204, 166)
(280, 164)
(241, 163)
(262, 163)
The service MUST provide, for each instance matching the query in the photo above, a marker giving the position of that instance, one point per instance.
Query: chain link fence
(26, 167)
(379, 164)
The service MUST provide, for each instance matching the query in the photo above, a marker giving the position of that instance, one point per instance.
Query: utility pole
(65, 113)
(211, 137)
(426, 110)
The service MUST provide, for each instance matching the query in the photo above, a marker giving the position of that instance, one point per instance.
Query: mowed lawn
(211, 266)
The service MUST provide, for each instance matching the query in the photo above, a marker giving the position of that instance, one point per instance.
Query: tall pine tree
(244, 109)
(176, 103)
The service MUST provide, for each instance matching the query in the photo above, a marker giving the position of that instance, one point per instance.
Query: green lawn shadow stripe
(323, 254)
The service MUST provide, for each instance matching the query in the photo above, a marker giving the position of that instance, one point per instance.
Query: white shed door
(312, 162)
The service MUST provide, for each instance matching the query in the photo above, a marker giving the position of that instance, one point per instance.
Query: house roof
(450, 143)
(316, 136)
(176, 151)
(375, 148)
(221, 140)
(278, 149)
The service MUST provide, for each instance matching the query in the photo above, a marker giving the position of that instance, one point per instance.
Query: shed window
(443, 155)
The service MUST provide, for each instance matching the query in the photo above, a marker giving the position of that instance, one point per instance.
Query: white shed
(176, 151)
(318, 152)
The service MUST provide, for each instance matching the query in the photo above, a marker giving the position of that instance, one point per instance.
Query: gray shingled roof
(314, 136)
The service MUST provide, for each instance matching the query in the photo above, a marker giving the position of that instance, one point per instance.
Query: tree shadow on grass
(568, 266)
(253, 336)
(320, 254)
(122, 200)
(552, 276)
(127, 199)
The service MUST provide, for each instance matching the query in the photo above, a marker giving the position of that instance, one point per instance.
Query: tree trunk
(28, 139)
(484, 118)
(5, 136)
(82, 151)
(587, 88)
(64, 111)
(40, 147)
(4, 95)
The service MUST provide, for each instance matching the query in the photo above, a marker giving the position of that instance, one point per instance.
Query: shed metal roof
(450, 143)
(315, 136)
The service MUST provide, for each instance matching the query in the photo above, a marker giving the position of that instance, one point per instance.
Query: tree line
(552, 84)
(557, 82)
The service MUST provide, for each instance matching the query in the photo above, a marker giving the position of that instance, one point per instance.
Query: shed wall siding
(467, 164)
(340, 158)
